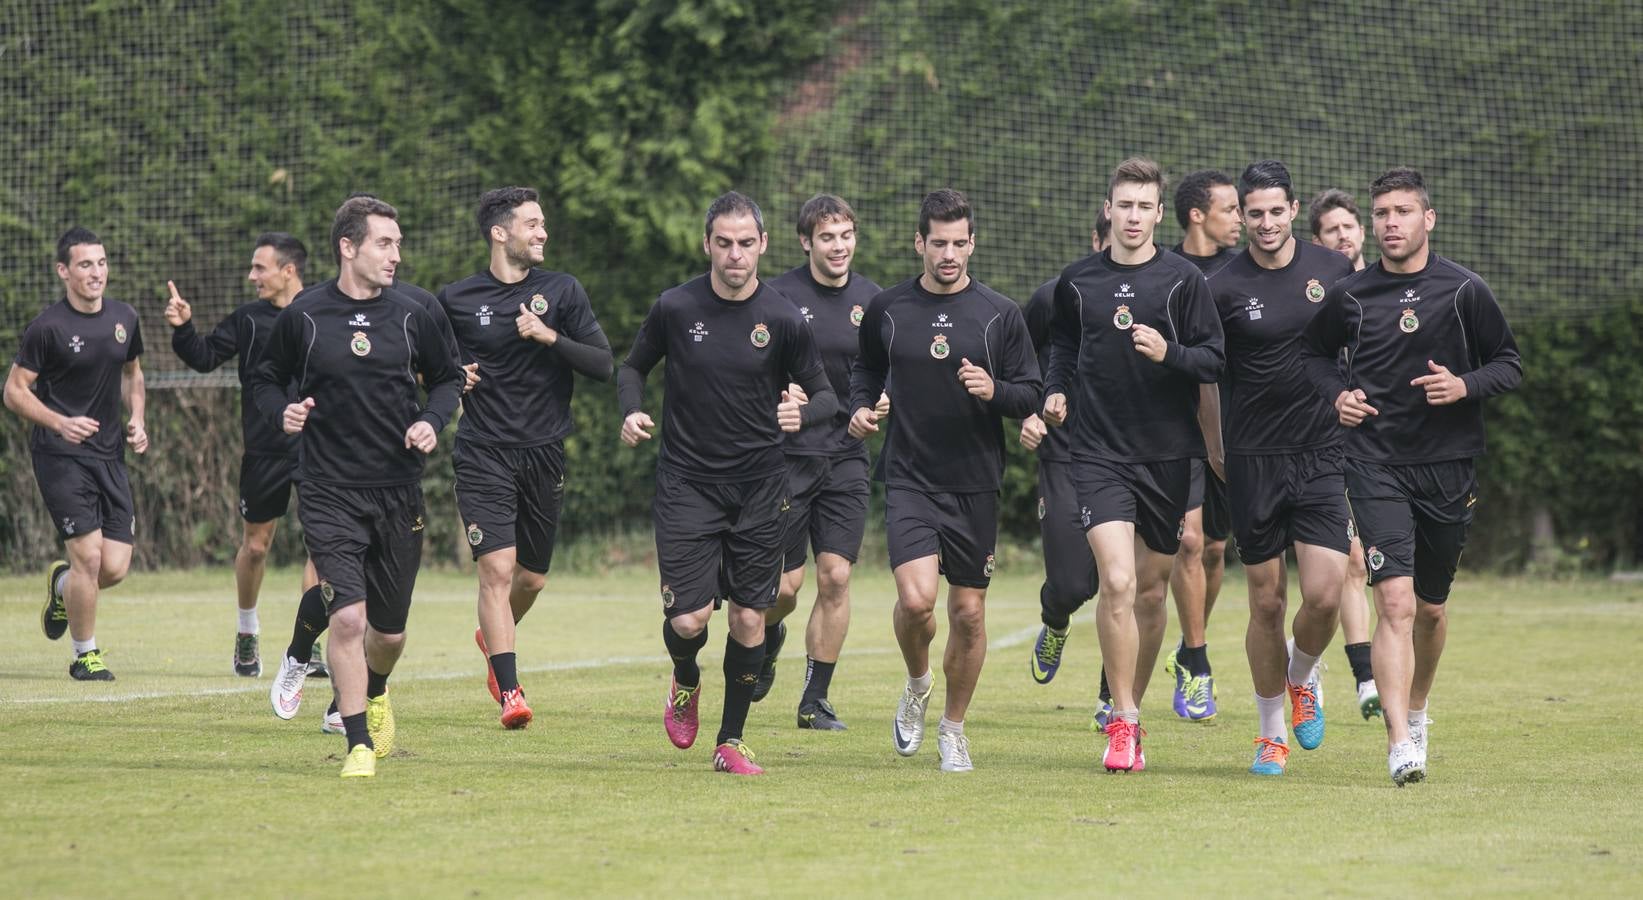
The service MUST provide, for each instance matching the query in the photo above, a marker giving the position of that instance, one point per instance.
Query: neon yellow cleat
(360, 763)
(379, 721)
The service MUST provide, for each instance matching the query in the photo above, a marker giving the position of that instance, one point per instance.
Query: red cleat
(490, 673)
(516, 713)
(733, 756)
(679, 715)
(1123, 738)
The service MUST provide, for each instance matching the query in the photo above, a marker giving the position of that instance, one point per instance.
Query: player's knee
(967, 618)
(1215, 554)
(1266, 605)
(348, 623)
(527, 582)
(1118, 584)
(1430, 615)
(832, 574)
(393, 642)
(112, 573)
(689, 625)
(917, 604)
(1192, 543)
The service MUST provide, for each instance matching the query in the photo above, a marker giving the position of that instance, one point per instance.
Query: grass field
(178, 780)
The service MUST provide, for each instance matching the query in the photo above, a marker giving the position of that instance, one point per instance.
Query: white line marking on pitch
(1013, 639)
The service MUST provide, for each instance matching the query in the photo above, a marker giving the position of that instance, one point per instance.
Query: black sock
(818, 676)
(333, 707)
(1106, 692)
(1358, 656)
(683, 650)
(1196, 659)
(375, 685)
(507, 676)
(774, 637)
(357, 733)
(742, 665)
(1048, 614)
(311, 623)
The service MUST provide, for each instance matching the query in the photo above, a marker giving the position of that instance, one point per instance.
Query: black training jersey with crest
(524, 390)
(941, 438)
(835, 317)
(1131, 409)
(1211, 264)
(79, 358)
(1391, 325)
(1057, 444)
(359, 360)
(244, 333)
(728, 362)
(1274, 407)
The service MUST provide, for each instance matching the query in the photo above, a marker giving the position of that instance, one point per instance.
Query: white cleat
(1417, 736)
(1406, 763)
(332, 723)
(908, 728)
(286, 692)
(1369, 699)
(955, 752)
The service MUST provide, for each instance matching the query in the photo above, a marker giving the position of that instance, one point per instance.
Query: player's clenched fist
(137, 436)
(787, 413)
(421, 436)
(1055, 409)
(1148, 342)
(863, 423)
(976, 380)
(177, 310)
(1033, 431)
(1353, 408)
(635, 428)
(531, 327)
(296, 415)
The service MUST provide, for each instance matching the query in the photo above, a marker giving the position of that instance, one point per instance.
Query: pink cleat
(490, 673)
(733, 756)
(679, 715)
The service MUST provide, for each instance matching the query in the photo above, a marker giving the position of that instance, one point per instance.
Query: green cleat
(88, 666)
(379, 722)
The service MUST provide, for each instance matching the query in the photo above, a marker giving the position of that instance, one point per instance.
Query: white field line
(1013, 639)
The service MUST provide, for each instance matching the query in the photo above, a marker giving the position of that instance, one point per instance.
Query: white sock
(948, 726)
(62, 582)
(922, 683)
(1301, 665)
(85, 646)
(1271, 711)
(1132, 716)
(1417, 718)
(248, 621)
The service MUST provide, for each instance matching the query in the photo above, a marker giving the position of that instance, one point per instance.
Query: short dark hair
(288, 251)
(350, 220)
(1103, 225)
(72, 238)
(1267, 173)
(944, 205)
(819, 209)
(1137, 170)
(1194, 193)
(497, 207)
(732, 203)
(1328, 201)
(1401, 178)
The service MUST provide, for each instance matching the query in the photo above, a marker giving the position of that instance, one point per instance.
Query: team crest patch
(475, 534)
(1408, 322)
(667, 597)
(361, 345)
(327, 592)
(939, 348)
(1041, 509)
(1315, 291)
(417, 524)
(539, 304)
(856, 315)
(1375, 559)
(1351, 530)
(1181, 528)
(760, 336)
(990, 565)
(119, 333)
(1123, 318)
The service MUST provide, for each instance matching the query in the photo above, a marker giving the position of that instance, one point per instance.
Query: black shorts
(718, 540)
(1152, 495)
(510, 497)
(1288, 498)
(829, 507)
(1069, 566)
(960, 529)
(265, 487)
(366, 544)
(1413, 520)
(1210, 492)
(85, 494)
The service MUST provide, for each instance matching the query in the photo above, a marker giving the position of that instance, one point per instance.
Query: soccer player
(826, 467)
(1283, 458)
(1069, 569)
(1427, 343)
(1134, 335)
(957, 359)
(530, 330)
(1206, 206)
(78, 360)
(354, 347)
(1333, 216)
(270, 455)
(732, 346)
